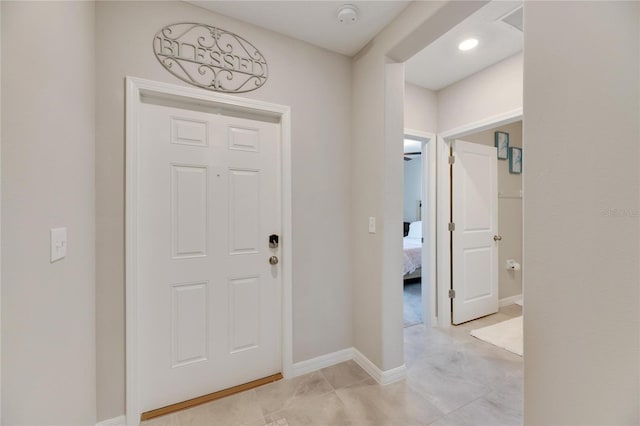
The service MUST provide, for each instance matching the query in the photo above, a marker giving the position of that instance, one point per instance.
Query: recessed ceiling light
(468, 44)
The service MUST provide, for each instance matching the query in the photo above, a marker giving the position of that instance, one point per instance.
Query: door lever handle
(497, 237)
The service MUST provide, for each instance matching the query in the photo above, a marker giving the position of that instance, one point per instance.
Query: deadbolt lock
(273, 241)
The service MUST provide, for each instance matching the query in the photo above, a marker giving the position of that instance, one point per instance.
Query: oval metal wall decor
(211, 58)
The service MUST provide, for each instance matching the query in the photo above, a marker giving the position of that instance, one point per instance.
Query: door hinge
(422, 239)
(452, 159)
(452, 226)
(452, 294)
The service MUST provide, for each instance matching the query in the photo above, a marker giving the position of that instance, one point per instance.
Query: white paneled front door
(475, 215)
(209, 300)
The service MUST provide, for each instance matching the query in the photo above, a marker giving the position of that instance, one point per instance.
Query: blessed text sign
(210, 57)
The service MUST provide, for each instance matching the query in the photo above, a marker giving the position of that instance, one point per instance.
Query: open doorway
(419, 190)
(486, 198)
(412, 232)
(507, 141)
(485, 194)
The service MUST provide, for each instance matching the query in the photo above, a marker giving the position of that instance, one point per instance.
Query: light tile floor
(452, 379)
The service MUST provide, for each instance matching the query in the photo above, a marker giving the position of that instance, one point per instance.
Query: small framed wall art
(502, 144)
(515, 160)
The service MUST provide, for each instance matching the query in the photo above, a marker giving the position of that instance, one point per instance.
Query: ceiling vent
(514, 19)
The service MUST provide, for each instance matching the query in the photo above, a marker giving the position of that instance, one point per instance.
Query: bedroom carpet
(412, 304)
(506, 334)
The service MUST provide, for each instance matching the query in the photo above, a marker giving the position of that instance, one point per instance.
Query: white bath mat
(506, 334)
(279, 422)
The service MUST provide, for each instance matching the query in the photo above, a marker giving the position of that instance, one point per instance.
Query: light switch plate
(58, 243)
(372, 225)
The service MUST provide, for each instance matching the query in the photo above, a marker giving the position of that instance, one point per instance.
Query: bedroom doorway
(419, 305)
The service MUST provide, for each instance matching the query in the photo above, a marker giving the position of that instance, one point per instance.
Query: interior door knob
(497, 237)
(273, 260)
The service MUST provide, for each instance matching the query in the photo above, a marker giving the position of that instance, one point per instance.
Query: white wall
(412, 188)
(48, 310)
(316, 84)
(490, 92)
(391, 232)
(420, 109)
(509, 209)
(581, 283)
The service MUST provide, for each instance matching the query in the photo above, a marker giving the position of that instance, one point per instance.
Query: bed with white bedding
(412, 248)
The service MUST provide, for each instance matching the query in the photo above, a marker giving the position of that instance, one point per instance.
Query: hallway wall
(420, 108)
(48, 141)
(581, 216)
(487, 93)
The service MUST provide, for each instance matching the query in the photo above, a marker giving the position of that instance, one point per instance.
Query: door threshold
(209, 397)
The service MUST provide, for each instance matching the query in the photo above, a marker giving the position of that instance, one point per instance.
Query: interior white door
(475, 215)
(209, 300)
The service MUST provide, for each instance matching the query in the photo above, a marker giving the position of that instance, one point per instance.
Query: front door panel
(210, 302)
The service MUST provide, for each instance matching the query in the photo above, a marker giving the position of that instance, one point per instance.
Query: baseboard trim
(322, 361)
(116, 421)
(510, 300)
(383, 377)
(393, 375)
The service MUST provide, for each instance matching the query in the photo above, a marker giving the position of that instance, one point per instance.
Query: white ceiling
(437, 66)
(441, 63)
(313, 21)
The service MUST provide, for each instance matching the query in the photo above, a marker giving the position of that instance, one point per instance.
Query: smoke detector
(347, 14)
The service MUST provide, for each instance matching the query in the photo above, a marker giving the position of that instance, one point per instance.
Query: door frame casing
(428, 175)
(443, 236)
(136, 88)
